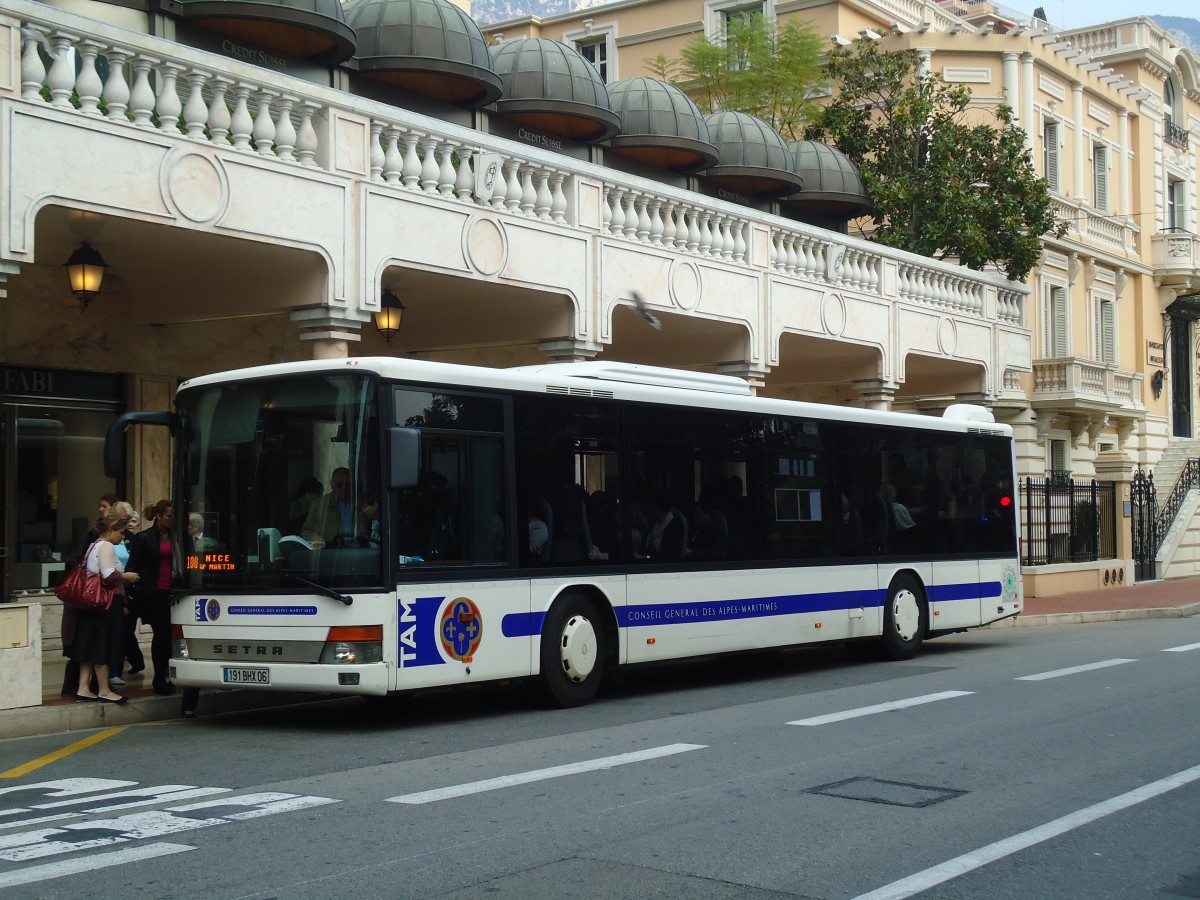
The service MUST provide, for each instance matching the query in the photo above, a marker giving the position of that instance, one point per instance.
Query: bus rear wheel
(573, 652)
(904, 619)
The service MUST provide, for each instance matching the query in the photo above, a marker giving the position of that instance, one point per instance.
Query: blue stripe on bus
(981, 591)
(517, 625)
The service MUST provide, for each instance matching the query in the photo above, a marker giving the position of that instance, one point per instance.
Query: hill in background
(1188, 28)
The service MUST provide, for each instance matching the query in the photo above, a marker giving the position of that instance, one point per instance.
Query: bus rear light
(352, 645)
(177, 632)
(355, 633)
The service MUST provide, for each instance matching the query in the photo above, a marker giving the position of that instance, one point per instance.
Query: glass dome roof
(308, 29)
(753, 158)
(660, 125)
(550, 87)
(429, 47)
(831, 182)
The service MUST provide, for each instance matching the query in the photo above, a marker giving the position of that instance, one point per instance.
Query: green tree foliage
(942, 186)
(767, 71)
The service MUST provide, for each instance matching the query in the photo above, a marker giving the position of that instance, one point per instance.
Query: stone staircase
(1179, 555)
(1171, 463)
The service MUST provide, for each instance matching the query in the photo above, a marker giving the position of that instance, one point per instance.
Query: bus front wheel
(904, 618)
(572, 652)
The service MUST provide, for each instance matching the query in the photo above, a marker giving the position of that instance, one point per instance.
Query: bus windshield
(279, 483)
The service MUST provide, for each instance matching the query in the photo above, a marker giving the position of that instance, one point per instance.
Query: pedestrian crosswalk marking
(73, 820)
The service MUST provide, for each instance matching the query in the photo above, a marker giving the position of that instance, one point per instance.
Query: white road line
(1182, 649)
(494, 784)
(1058, 673)
(968, 862)
(881, 707)
(88, 863)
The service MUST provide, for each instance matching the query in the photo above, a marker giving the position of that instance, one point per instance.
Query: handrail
(1169, 511)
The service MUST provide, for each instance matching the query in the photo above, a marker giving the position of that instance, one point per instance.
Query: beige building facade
(1112, 118)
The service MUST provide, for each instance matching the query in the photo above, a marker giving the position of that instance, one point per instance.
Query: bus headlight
(353, 645)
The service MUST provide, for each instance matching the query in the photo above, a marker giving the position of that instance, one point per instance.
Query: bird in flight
(644, 311)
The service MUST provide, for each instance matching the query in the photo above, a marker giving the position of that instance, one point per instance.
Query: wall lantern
(85, 269)
(391, 311)
(1156, 383)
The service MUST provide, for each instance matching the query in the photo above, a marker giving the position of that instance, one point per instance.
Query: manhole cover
(893, 793)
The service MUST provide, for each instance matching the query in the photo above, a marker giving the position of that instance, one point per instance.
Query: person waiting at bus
(333, 519)
(667, 535)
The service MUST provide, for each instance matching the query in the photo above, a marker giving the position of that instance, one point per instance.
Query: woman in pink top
(152, 556)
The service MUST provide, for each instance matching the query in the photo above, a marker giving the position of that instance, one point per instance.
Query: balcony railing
(1069, 383)
(1086, 222)
(1177, 135)
(1176, 256)
(156, 88)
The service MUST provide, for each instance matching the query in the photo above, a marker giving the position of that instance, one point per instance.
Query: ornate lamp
(391, 311)
(85, 269)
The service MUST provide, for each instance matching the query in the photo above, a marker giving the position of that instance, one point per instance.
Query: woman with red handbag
(91, 626)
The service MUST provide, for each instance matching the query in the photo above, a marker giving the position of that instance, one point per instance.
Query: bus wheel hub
(578, 648)
(906, 613)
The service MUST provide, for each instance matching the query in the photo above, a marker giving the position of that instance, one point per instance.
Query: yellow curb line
(65, 751)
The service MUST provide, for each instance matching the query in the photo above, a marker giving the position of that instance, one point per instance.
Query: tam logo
(207, 609)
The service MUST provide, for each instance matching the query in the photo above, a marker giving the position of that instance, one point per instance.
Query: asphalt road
(1037, 762)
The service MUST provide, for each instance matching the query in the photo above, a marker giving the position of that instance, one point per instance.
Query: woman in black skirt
(92, 633)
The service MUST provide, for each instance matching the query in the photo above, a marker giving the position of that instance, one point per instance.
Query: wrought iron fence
(1067, 520)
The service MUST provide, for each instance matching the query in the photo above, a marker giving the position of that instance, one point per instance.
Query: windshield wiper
(321, 589)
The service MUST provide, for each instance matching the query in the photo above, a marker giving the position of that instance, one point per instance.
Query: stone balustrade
(143, 88)
(1068, 383)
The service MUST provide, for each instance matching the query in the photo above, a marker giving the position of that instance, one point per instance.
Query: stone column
(1012, 96)
(148, 450)
(876, 393)
(1116, 468)
(1123, 164)
(754, 373)
(331, 331)
(567, 349)
(1080, 157)
(1027, 60)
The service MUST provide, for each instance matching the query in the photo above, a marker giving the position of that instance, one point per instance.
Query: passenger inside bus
(667, 536)
(710, 531)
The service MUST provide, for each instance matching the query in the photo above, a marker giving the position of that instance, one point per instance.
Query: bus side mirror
(404, 450)
(114, 440)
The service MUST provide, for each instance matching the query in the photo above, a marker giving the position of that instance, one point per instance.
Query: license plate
(247, 676)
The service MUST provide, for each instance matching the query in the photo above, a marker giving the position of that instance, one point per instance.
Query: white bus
(561, 522)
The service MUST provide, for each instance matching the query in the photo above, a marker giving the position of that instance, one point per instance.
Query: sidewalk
(1155, 599)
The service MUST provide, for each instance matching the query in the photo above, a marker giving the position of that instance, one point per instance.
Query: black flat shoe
(82, 698)
(117, 702)
(164, 691)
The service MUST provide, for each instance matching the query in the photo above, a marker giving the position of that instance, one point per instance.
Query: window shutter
(1100, 177)
(1058, 456)
(1050, 154)
(1056, 321)
(1107, 332)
